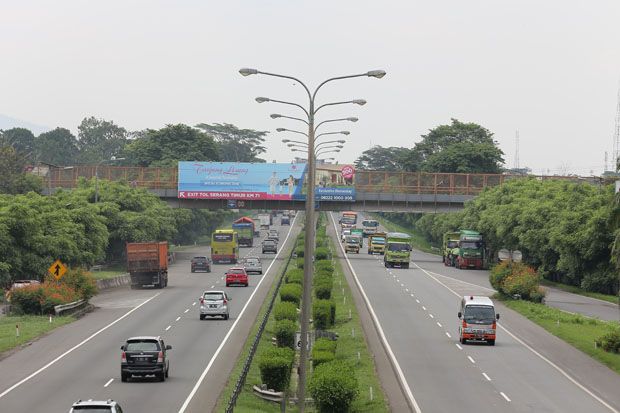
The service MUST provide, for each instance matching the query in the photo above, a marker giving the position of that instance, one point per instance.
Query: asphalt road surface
(528, 370)
(82, 360)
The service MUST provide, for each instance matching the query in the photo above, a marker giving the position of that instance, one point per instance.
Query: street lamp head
(261, 99)
(341, 141)
(275, 116)
(345, 132)
(360, 102)
(247, 71)
(339, 146)
(285, 140)
(376, 73)
(352, 119)
(290, 145)
(280, 130)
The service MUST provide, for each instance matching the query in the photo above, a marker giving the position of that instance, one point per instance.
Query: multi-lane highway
(528, 370)
(82, 360)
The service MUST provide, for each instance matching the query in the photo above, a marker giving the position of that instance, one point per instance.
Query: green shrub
(321, 253)
(321, 242)
(516, 278)
(285, 310)
(300, 263)
(322, 277)
(604, 282)
(41, 299)
(333, 387)
(275, 367)
(321, 314)
(323, 291)
(324, 265)
(295, 276)
(324, 344)
(498, 273)
(320, 357)
(291, 292)
(610, 342)
(332, 312)
(285, 333)
(299, 251)
(81, 281)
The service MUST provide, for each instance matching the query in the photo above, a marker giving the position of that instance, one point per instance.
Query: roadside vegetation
(30, 327)
(393, 223)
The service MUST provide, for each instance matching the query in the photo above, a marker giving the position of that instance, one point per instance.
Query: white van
(478, 320)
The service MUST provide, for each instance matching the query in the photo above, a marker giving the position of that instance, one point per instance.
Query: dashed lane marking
(168, 328)
(504, 396)
(108, 383)
(486, 377)
(471, 359)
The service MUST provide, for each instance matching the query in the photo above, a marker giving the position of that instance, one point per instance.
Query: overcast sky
(549, 69)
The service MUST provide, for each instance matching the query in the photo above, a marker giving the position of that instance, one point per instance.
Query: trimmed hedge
(300, 263)
(295, 276)
(275, 367)
(323, 291)
(285, 333)
(299, 251)
(324, 344)
(291, 292)
(516, 278)
(324, 265)
(321, 314)
(320, 357)
(333, 386)
(285, 310)
(332, 312)
(610, 342)
(322, 253)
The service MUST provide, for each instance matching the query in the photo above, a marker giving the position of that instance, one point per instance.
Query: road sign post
(57, 270)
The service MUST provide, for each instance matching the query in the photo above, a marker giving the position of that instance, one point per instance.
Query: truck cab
(352, 243)
(397, 250)
(477, 319)
(376, 243)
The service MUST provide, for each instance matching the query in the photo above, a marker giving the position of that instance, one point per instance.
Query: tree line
(568, 231)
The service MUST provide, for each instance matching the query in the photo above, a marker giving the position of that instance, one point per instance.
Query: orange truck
(147, 264)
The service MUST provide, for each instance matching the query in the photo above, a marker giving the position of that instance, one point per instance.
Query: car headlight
(489, 331)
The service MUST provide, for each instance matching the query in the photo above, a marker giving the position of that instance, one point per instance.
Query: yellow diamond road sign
(57, 269)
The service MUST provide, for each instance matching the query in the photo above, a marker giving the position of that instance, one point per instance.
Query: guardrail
(261, 328)
(65, 308)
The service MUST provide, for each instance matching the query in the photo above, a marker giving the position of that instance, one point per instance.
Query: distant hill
(7, 122)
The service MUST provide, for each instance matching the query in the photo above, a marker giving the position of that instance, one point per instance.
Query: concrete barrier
(117, 281)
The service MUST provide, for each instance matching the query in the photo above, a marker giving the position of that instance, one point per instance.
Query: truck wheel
(161, 376)
(124, 377)
(202, 316)
(491, 342)
(209, 269)
(193, 270)
(133, 287)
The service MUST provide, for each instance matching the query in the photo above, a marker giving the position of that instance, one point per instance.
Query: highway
(82, 360)
(528, 370)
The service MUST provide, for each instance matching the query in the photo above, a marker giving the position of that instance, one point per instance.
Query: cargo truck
(470, 252)
(397, 250)
(147, 263)
(360, 233)
(450, 242)
(352, 244)
(264, 220)
(244, 227)
(376, 243)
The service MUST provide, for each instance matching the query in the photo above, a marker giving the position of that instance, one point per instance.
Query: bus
(224, 246)
(370, 226)
(348, 219)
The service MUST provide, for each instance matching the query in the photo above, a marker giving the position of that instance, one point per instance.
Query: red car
(236, 275)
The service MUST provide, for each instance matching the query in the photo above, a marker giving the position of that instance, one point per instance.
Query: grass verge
(109, 272)
(614, 299)
(30, 327)
(575, 329)
(417, 240)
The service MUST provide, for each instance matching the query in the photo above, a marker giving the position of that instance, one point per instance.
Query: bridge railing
(147, 177)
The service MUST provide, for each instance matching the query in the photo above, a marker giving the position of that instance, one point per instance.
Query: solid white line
(80, 344)
(223, 343)
(168, 328)
(471, 359)
(423, 308)
(194, 303)
(186, 310)
(412, 294)
(504, 396)
(108, 383)
(545, 359)
(486, 377)
(417, 301)
(402, 285)
(431, 316)
(439, 324)
(375, 319)
(407, 289)
(178, 318)
(459, 346)
(448, 334)
(212, 286)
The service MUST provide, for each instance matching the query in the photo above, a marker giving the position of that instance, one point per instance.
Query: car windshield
(145, 345)
(213, 296)
(352, 240)
(235, 271)
(94, 409)
(200, 258)
(471, 244)
(400, 246)
(453, 244)
(378, 240)
(479, 314)
(252, 262)
(370, 224)
(268, 242)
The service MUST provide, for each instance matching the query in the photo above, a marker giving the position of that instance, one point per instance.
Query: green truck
(470, 251)
(450, 242)
(360, 233)
(397, 250)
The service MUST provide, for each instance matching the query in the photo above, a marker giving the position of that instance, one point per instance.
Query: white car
(252, 265)
(344, 234)
(213, 304)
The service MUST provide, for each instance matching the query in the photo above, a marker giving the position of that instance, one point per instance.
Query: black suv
(143, 356)
(270, 245)
(201, 263)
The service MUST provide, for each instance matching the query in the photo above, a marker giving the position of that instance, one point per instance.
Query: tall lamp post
(310, 112)
(112, 159)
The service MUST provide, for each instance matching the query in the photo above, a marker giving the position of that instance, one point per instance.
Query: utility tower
(616, 152)
(516, 166)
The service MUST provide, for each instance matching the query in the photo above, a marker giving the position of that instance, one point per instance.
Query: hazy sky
(549, 69)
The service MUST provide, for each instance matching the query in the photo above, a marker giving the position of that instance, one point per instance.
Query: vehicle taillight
(494, 325)
(123, 357)
(202, 300)
(225, 301)
(464, 324)
(160, 357)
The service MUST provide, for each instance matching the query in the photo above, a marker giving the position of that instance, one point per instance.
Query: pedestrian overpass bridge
(375, 190)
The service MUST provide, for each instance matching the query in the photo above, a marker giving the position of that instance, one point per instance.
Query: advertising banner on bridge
(262, 181)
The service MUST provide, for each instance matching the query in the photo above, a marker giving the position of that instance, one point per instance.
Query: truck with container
(244, 227)
(348, 219)
(450, 242)
(264, 220)
(360, 233)
(352, 243)
(376, 243)
(397, 250)
(147, 264)
(470, 251)
(370, 226)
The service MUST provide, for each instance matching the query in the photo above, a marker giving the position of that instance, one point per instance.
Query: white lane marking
(407, 289)
(448, 334)
(212, 286)
(417, 301)
(471, 359)
(504, 396)
(439, 324)
(186, 310)
(412, 294)
(486, 377)
(108, 383)
(227, 336)
(459, 346)
(527, 346)
(386, 344)
(80, 344)
(402, 285)
(423, 308)
(430, 315)
(194, 303)
(178, 318)
(168, 328)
